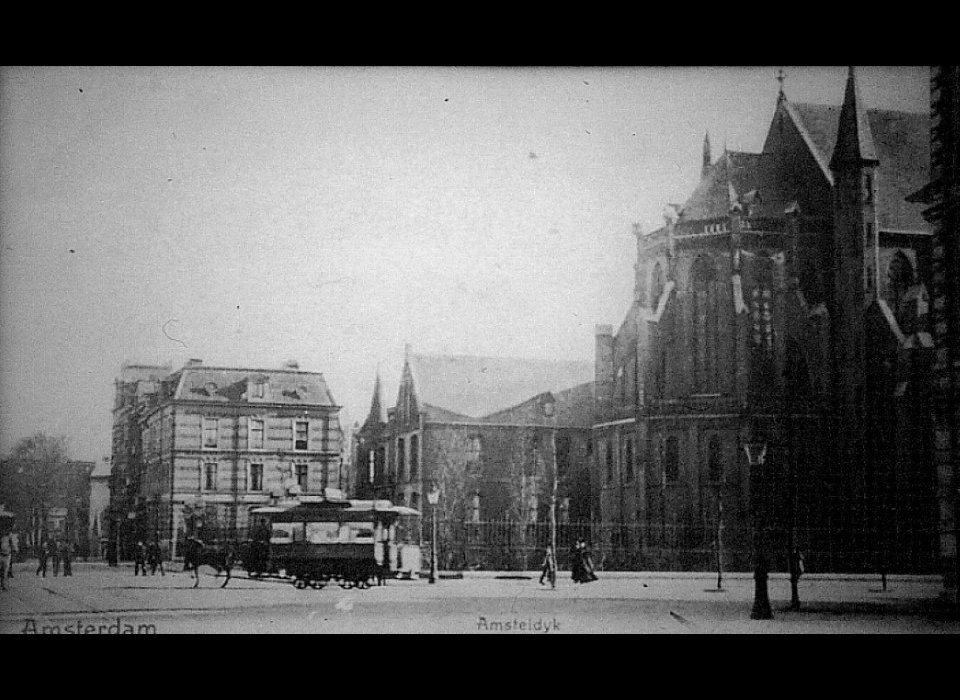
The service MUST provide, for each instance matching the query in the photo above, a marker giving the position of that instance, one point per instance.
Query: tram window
(323, 533)
(361, 532)
(282, 533)
(298, 532)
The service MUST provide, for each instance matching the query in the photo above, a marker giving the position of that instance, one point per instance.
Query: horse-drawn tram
(350, 542)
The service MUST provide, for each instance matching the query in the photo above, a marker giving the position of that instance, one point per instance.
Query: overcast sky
(247, 216)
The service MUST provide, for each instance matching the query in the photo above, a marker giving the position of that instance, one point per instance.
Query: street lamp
(433, 498)
(757, 457)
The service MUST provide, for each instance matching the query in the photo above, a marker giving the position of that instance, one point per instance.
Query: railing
(514, 546)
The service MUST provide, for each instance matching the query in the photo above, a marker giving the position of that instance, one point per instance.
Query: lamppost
(757, 457)
(433, 498)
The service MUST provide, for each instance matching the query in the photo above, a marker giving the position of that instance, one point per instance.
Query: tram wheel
(300, 584)
(347, 585)
(317, 585)
(363, 585)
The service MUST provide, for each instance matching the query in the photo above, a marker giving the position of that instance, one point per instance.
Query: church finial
(781, 77)
(707, 158)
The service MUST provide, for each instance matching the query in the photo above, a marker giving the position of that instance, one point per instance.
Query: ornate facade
(195, 450)
(785, 302)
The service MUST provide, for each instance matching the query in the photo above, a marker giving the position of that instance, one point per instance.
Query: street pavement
(103, 600)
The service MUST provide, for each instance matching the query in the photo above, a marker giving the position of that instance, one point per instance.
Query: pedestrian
(55, 556)
(576, 563)
(6, 557)
(155, 558)
(549, 570)
(43, 554)
(15, 549)
(140, 559)
(586, 562)
(66, 556)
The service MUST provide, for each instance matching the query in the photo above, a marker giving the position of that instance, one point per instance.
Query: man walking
(549, 570)
(66, 556)
(155, 558)
(43, 554)
(140, 559)
(55, 556)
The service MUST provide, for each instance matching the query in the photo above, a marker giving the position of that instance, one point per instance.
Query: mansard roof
(225, 385)
(475, 387)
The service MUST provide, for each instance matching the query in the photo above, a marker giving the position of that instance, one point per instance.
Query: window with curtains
(211, 427)
(256, 478)
(301, 435)
(255, 433)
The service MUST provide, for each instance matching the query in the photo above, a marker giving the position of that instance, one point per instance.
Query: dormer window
(255, 390)
(211, 388)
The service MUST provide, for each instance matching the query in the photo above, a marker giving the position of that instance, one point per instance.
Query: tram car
(353, 543)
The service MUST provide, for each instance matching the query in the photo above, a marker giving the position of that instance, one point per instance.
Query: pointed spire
(781, 77)
(854, 138)
(706, 156)
(376, 416)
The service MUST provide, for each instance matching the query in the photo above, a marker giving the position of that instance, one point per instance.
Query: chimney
(193, 362)
(291, 364)
(603, 388)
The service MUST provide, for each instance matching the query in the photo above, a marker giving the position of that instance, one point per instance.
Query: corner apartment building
(195, 450)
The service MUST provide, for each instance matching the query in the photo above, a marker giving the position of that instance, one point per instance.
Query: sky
(248, 216)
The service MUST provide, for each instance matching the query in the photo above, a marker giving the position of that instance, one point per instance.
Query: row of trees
(38, 486)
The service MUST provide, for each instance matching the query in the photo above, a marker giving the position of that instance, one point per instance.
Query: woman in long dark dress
(576, 564)
(586, 559)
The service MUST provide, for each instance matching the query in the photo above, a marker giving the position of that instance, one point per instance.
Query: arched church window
(657, 285)
(705, 324)
(900, 278)
(714, 460)
(796, 372)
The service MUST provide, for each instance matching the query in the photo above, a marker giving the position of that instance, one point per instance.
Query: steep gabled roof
(902, 146)
(479, 386)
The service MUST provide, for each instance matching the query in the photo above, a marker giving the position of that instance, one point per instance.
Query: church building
(783, 305)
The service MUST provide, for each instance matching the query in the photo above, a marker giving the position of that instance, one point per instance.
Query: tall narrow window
(671, 460)
(657, 285)
(414, 456)
(609, 452)
(210, 476)
(705, 324)
(628, 459)
(401, 460)
(256, 477)
(255, 434)
(714, 460)
(900, 278)
(211, 430)
(301, 435)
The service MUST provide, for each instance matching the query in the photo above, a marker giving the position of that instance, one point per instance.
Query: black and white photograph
(479, 350)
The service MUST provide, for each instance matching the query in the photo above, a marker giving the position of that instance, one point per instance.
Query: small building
(491, 434)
